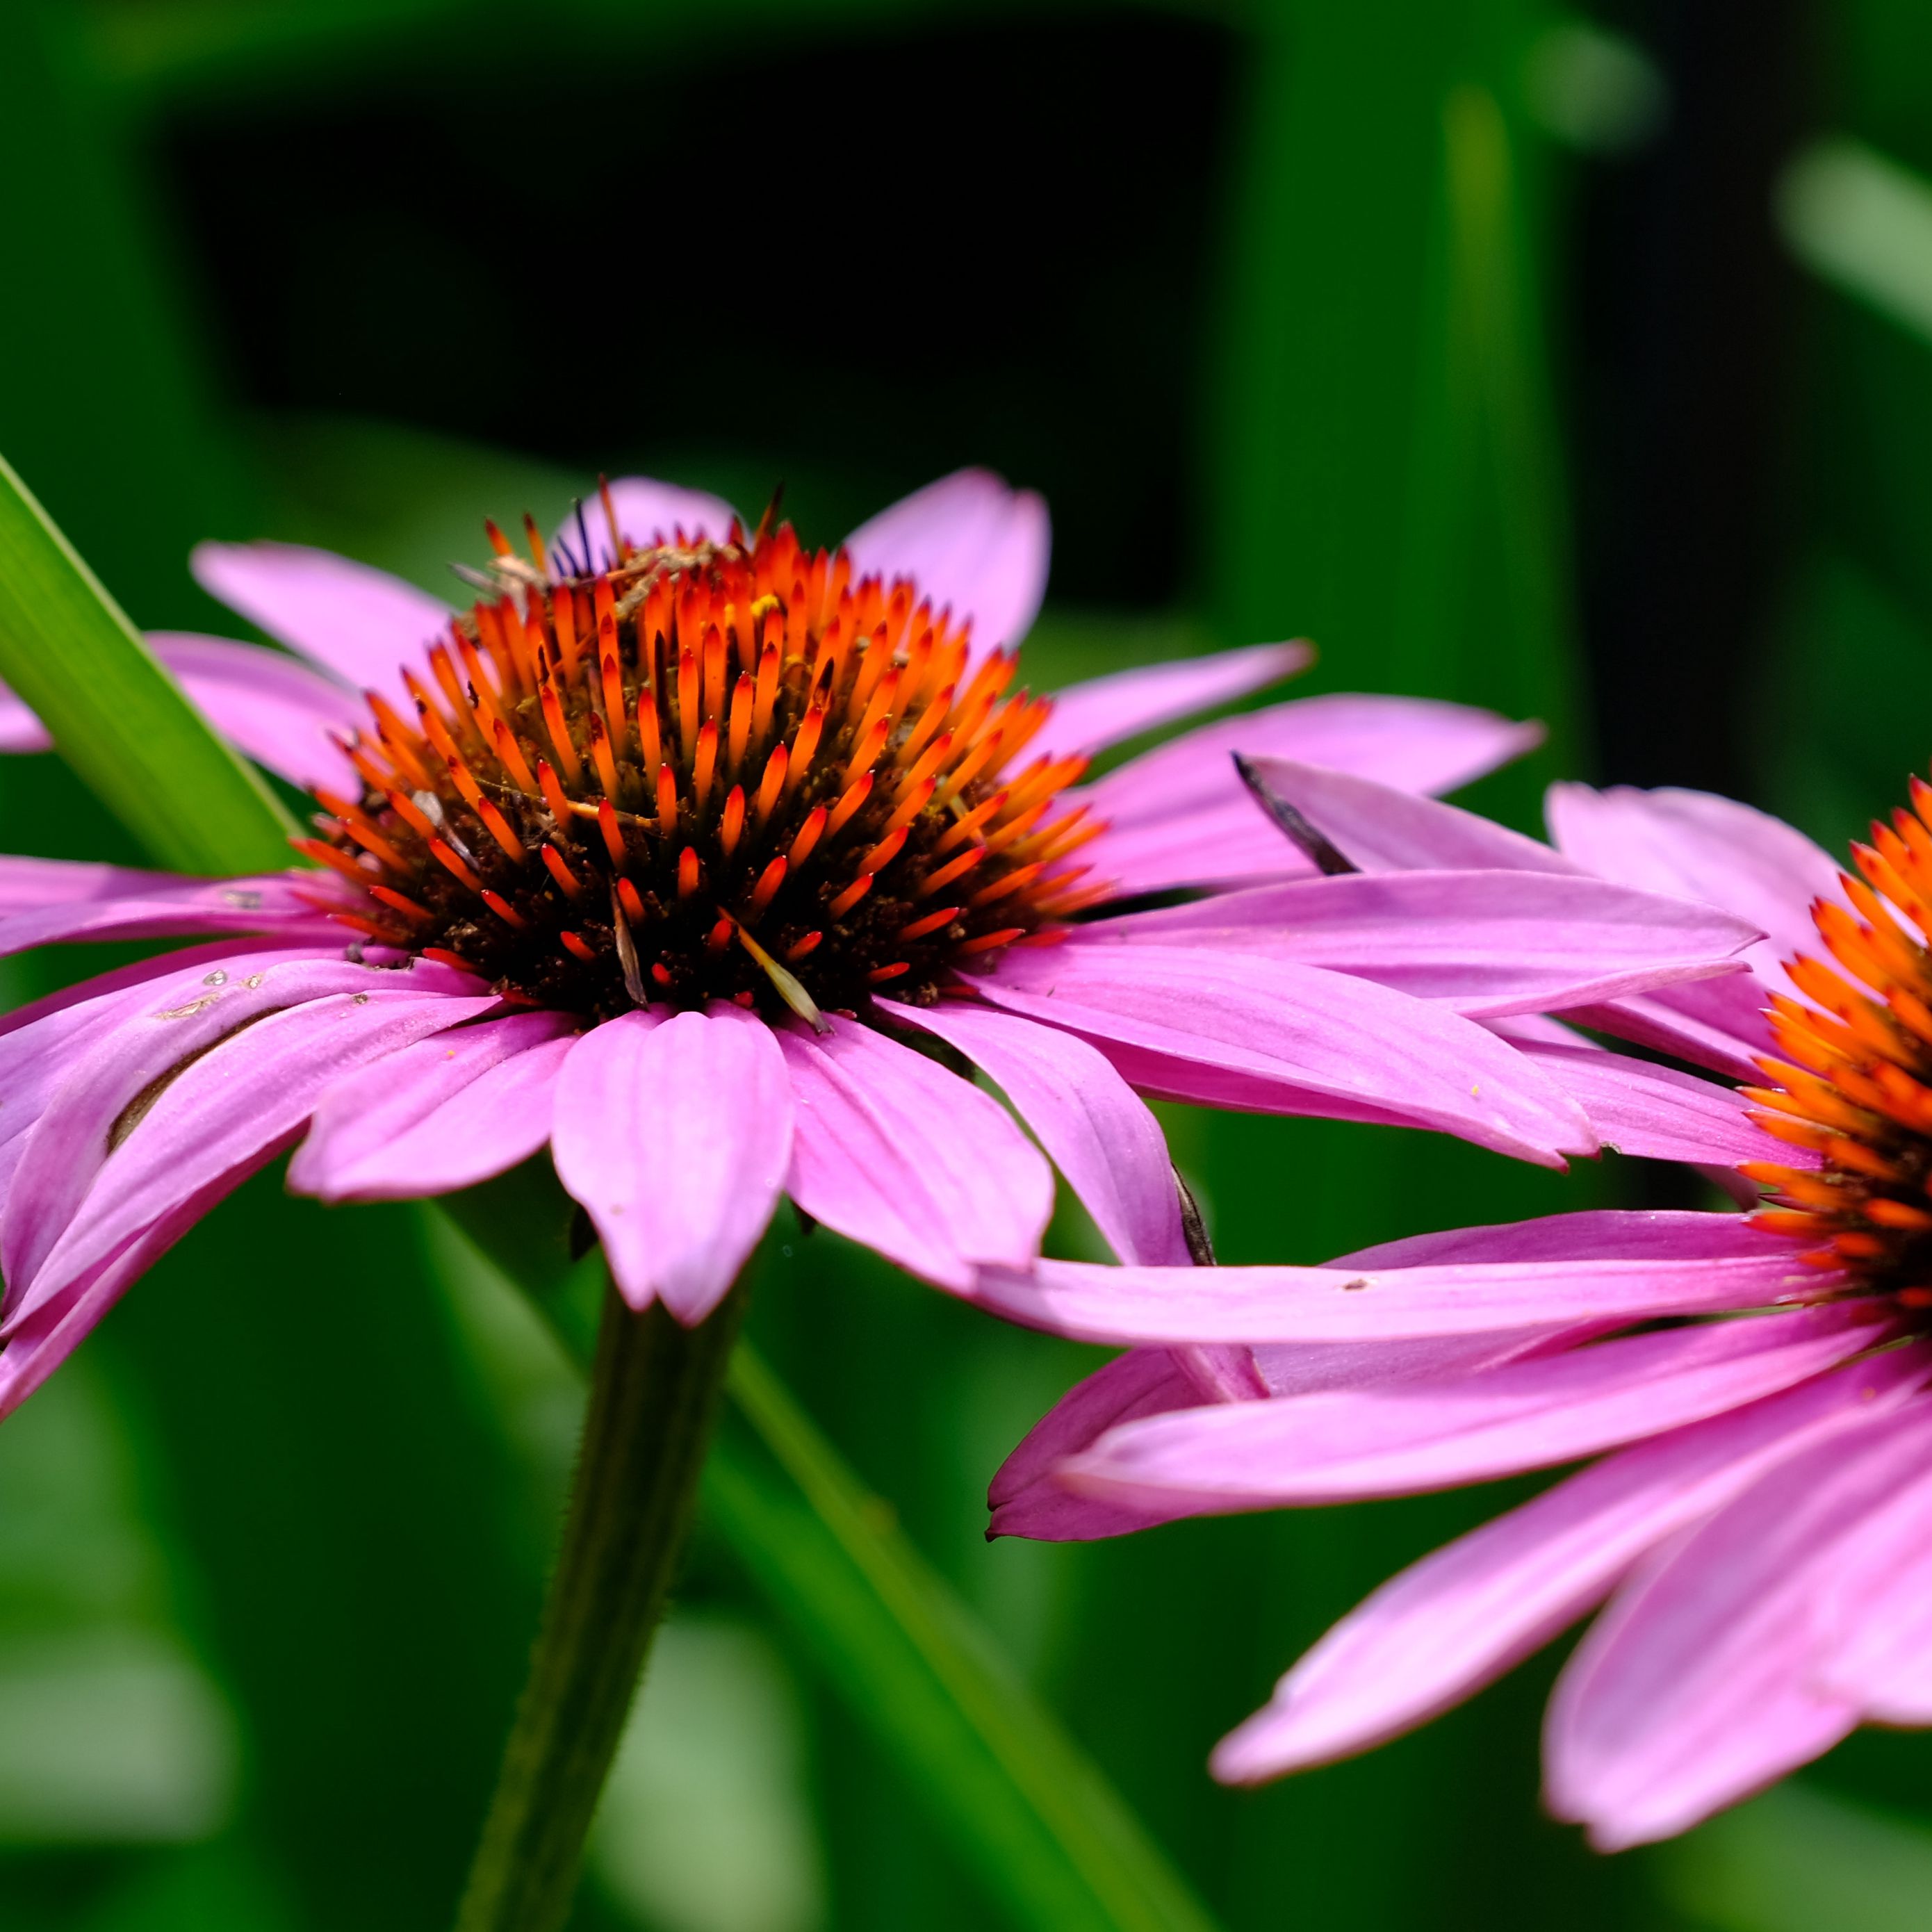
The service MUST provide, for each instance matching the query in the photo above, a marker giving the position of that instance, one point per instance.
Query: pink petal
(1463, 1616)
(272, 706)
(1180, 815)
(1697, 1687)
(1596, 1234)
(1311, 1368)
(20, 730)
(444, 1114)
(1101, 711)
(243, 1074)
(44, 1338)
(1027, 1499)
(355, 620)
(1320, 1036)
(1097, 1131)
(286, 904)
(1383, 826)
(648, 512)
(1400, 1440)
(1122, 1306)
(42, 1044)
(1225, 842)
(1876, 1612)
(167, 1032)
(1700, 846)
(210, 952)
(674, 1133)
(971, 542)
(33, 885)
(1715, 1023)
(1488, 943)
(895, 1152)
(1655, 1112)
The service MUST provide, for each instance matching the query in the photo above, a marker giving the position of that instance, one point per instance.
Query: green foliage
(115, 715)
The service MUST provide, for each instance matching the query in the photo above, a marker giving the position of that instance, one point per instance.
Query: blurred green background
(1578, 366)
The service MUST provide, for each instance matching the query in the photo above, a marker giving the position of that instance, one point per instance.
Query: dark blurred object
(867, 256)
(1684, 306)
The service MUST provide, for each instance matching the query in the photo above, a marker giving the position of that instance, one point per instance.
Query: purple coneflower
(1762, 1525)
(662, 852)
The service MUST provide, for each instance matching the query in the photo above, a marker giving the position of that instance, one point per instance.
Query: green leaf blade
(1045, 1828)
(116, 716)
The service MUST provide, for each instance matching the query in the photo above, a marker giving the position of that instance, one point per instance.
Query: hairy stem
(653, 1399)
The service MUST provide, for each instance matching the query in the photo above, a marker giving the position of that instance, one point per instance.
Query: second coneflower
(1762, 1523)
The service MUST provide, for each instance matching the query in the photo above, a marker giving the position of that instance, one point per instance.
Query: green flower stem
(654, 1395)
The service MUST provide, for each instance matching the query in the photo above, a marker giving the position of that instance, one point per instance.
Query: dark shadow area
(987, 239)
(1682, 310)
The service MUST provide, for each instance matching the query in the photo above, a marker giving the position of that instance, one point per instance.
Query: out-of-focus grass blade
(1043, 1826)
(1028, 1812)
(1865, 224)
(1592, 89)
(116, 716)
(1496, 369)
(1798, 1859)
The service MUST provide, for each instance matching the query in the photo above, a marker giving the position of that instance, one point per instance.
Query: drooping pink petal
(44, 1338)
(1700, 846)
(1224, 844)
(1123, 1306)
(1487, 943)
(1715, 1023)
(444, 1114)
(209, 953)
(178, 1103)
(20, 730)
(1317, 1032)
(1026, 1498)
(1639, 1108)
(1875, 1612)
(1399, 1440)
(1726, 853)
(1594, 1235)
(1097, 1131)
(1030, 1501)
(1383, 826)
(136, 905)
(1101, 711)
(167, 1032)
(647, 511)
(895, 1152)
(1180, 815)
(33, 885)
(1311, 1368)
(1699, 1685)
(972, 543)
(1472, 1610)
(1162, 1076)
(42, 1044)
(674, 1134)
(270, 705)
(355, 620)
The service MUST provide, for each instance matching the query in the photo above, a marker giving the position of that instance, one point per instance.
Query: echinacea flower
(661, 854)
(1762, 1521)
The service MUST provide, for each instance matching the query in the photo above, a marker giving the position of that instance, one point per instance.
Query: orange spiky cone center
(715, 771)
(1855, 1086)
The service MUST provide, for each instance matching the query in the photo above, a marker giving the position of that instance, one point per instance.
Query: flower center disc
(716, 770)
(1855, 1087)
